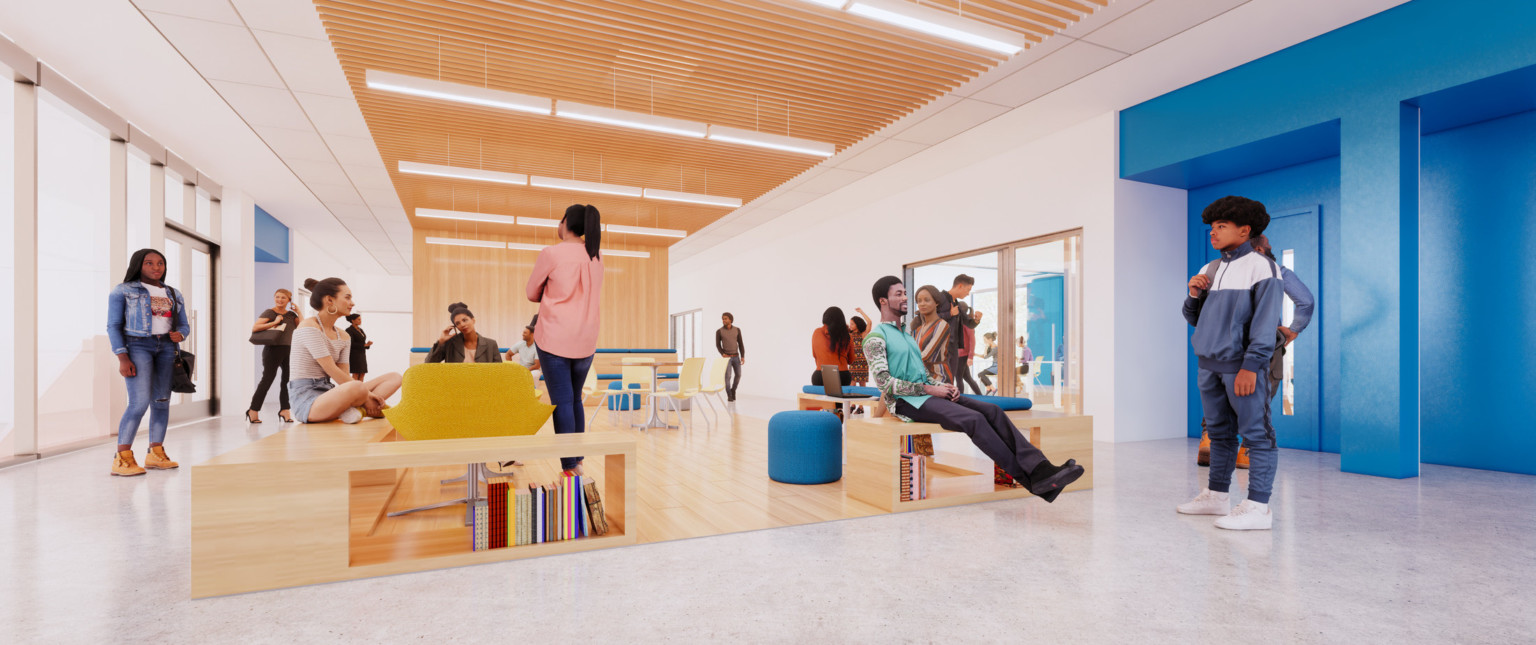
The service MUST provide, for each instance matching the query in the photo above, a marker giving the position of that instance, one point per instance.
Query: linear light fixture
(521, 246)
(538, 221)
(626, 119)
(453, 241)
(472, 174)
(627, 254)
(465, 216)
(830, 4)
(939, 23)
(644, 230)
(692, 198)
(457, 92)
(770, 141)
(584, 186)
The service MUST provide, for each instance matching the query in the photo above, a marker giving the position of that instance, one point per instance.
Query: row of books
(914, 477)
(507, 516)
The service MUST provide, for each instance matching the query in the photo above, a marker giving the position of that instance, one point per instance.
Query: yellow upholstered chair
(465, 400)
(716, 385)
(687, 387)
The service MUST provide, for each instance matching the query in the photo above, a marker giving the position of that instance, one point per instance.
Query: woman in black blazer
(460, 343)
(357, 355)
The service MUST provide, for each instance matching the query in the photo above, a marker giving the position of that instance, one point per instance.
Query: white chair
(716, 385)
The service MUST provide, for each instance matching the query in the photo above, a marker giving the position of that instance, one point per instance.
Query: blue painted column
(1379, 413)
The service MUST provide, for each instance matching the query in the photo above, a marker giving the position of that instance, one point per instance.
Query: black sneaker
(1047, 481)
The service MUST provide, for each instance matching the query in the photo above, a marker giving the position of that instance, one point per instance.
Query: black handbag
(186, 363)
(271, 336)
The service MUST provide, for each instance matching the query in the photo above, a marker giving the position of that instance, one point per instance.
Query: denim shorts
(302, 393)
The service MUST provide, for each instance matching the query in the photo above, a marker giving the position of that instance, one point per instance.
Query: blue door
(1296, 406)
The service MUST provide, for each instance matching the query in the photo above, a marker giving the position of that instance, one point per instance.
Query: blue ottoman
(805, 447)
(625, 403)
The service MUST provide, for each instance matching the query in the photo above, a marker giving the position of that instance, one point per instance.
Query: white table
(655, 420)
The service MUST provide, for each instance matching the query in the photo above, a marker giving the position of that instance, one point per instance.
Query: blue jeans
(1228, 416)
(149, 388)
(732, 376)
(564, 378)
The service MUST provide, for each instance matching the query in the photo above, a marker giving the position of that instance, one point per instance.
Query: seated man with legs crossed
(911, 394)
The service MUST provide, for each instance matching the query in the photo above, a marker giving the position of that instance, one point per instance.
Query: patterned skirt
(860, 365)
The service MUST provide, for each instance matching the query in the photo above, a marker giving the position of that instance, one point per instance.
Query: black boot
(1047, 481)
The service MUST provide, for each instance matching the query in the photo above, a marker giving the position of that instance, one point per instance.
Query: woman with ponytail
(321, 388)
(567, 282)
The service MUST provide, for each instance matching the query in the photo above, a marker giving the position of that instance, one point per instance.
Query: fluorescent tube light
(472, 174)
(453, 241)
(771, 141)
(457, 92)
(465, 216)
(538, 221)
(520, 246)
(692, 198)
(625, 119)
(584, 186)
(942, 24)
(627, 254)
(830, 4)
(644, 230)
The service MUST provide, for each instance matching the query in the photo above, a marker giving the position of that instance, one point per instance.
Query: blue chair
(624, 403)
(805, 447)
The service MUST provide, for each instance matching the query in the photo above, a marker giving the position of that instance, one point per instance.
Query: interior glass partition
(7, 263)
(982, 268)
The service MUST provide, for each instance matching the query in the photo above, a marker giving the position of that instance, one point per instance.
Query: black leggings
(842, 375)
(273, 358)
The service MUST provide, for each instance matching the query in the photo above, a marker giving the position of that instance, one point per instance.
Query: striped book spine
(482, 525)
(497, 498)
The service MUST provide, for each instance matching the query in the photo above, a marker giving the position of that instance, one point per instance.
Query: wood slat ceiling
(783, 67)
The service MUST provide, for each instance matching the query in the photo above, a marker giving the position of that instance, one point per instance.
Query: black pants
(842, 375)
(987, 426)
(273, 358)
(962, 374)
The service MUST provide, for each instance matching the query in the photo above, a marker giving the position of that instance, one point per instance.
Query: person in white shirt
(526, 353)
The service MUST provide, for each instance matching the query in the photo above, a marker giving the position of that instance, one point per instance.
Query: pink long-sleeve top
(568, 285)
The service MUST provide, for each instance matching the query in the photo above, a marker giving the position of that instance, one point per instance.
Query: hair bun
(456, 307)
(309, 283)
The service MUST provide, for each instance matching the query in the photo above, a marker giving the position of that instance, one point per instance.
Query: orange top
(821, 348)
(568, 286)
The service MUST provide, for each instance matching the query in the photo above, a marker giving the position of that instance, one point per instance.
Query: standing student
(932, 333)
(733, 348)
(1234, 315)
(274, 357)
(357, 356)
(957, 315)
(146, 318)
(567, 282)
(322, 389)
(860, 365)
(909, 391)
(460, 343)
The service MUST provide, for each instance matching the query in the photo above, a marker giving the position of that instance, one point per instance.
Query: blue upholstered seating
(1007, 403)
(852, 389)
(805, 447)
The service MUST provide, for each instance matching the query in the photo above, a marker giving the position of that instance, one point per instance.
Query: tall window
(204, 214)
(76, 367)
(175, 198)
(139, 200)
(7, 263)
(687, 334)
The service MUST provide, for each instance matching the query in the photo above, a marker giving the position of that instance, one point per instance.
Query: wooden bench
(279, 512)
(874, 447)
(804, 401)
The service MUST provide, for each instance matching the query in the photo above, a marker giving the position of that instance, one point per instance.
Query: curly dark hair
(1241, 211)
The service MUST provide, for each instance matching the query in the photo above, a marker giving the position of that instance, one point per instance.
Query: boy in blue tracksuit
(1234, 305)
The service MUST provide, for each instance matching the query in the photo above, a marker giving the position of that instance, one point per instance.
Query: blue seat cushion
(1007, 403)
(852, 389)
(805, 447)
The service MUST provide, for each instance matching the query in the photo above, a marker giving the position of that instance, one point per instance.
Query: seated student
(832, 344)
(319, 356)
(909, 390)
(460, 343)
(526, 352)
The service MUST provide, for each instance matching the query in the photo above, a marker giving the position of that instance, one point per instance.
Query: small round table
(655, 419)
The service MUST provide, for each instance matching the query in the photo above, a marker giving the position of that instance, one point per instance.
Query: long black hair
(136, 265)
(320, 289)
(837, 328)
(583, 220)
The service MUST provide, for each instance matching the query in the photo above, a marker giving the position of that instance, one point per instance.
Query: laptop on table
(832, 384)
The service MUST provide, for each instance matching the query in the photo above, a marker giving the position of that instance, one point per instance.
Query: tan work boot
(1204, 458)
(1242, 457)
(123, 465)
(157, 460)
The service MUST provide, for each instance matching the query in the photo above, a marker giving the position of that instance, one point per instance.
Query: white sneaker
(1247, 516)
(1208, 502)
(351, 415)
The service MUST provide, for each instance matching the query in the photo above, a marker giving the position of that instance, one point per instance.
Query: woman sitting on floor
(319, 355)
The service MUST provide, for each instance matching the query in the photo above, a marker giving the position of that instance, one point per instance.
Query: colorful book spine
(497, 498)
(904, 479)
(595, 515)
(583, 525)
(549, 514)
(482, 525)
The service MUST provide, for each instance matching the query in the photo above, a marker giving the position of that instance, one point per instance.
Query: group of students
(324, 368)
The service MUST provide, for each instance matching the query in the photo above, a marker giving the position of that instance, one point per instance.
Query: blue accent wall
(1478, 286)
(1367, 76)
(271, 238)
(1297, 187)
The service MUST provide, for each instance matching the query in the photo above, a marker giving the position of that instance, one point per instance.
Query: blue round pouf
(805, 447)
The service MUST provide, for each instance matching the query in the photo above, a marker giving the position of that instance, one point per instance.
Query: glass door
(191, 271)
(977, 374)
(1047, 316)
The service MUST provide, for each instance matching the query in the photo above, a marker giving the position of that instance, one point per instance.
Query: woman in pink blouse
(567, 282)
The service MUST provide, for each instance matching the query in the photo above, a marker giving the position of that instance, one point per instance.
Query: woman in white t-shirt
(146, 318)
(319, 354)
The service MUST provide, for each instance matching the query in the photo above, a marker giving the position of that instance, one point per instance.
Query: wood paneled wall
(493, 283)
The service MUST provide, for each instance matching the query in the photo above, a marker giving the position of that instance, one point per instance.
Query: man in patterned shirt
(911, 394)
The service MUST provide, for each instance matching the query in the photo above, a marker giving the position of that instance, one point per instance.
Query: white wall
(383, 300)
(238, 366)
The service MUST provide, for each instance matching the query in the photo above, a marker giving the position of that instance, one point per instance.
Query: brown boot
(1204, 458)
(157, 460)
(123, 465)
(1242, 457)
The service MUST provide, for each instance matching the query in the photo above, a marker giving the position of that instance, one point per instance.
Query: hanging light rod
(522, 246)
(472, 174)
(770, 141)
(644, 230)
(454, 241)
(465, 216)
(473, 95)
(933, 22)
(540, 222)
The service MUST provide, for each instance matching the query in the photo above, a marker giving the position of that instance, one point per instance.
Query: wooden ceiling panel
(782, 67)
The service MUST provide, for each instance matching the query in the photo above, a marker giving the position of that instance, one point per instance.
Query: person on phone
(567, 282)
(284, 317)
(460, 343)
(322, 389)
(358, 356)
(146, 318)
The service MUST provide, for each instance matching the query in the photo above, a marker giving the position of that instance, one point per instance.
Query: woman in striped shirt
(320, 352)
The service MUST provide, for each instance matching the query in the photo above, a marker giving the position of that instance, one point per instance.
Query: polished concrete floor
(1447, 557)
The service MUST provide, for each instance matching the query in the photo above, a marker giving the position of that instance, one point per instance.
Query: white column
(236, 300)
(117, 397)
(24, 249)
(157, 206)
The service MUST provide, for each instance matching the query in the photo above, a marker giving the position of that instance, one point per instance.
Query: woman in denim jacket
(145, 320)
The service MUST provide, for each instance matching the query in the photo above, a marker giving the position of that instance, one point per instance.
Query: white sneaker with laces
(1247, 516)
(351, 415)
(1208, 502)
